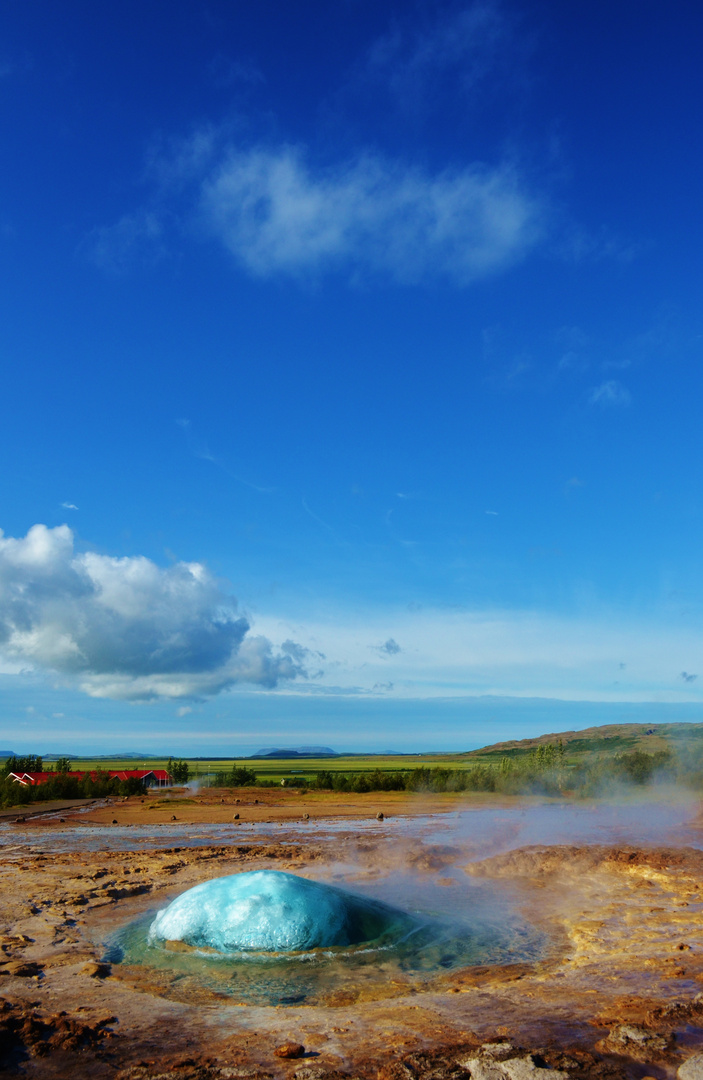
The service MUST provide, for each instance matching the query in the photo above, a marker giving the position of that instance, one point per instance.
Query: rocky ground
(616, 993)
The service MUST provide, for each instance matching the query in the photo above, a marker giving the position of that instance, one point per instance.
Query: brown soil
(617, 993)
(219, 805)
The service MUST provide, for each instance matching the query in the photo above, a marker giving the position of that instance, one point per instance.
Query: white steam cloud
(124, 627)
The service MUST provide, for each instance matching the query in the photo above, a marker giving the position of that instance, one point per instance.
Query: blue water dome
(270, 911)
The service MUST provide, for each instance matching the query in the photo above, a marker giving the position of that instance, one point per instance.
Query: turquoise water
(400, 949)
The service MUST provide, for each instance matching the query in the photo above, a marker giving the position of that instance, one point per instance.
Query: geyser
(270, 911)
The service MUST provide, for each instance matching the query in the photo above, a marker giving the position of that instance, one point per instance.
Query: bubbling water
(271, 911)
(269, 938)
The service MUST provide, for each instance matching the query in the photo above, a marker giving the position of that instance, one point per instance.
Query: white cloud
(124, 627)
(464, 653)
(69, 506)
(277, 214)
(610, 393)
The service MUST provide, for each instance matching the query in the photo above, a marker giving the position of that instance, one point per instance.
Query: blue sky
(351, 372)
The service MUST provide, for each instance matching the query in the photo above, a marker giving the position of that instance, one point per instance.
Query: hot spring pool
(269, 938)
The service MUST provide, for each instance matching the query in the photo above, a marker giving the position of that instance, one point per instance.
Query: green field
(582, 750)
(278, 769)
(588, 745)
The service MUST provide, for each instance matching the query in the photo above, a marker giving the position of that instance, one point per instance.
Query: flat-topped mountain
(296, 752)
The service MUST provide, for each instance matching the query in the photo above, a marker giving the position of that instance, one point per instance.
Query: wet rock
(489, 1066)
(691, 1069)
(380, 816)
(306, 817)
(25, 1030)
(638, 1042)
(95, 970)
(114, 821)
(173, 817)
(290, 1050)
(236, 816)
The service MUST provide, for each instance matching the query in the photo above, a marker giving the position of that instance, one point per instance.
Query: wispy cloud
(127, 628)
(135, 239)
(278, 214)
(69, 506)
(422, 59)
(610, 394)
(200, 450)
(687, 677)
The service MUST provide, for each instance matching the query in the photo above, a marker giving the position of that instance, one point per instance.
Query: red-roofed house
(149, 777)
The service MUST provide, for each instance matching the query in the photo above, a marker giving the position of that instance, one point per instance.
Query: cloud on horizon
(126, 628)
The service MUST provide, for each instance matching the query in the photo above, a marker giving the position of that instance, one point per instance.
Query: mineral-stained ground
(616, 990)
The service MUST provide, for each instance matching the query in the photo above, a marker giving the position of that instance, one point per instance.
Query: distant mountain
(297, 752)
(123, 757)
(104, 757)
(7, 753)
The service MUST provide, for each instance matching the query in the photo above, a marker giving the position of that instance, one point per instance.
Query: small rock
(18, 820)
(114, 821)
(95, 970)
(236, 817)
(173, 817)
(629, 1035)
(290, 1050)
(237, 800)
(525, 1069)
(22, 969)
(380, 816)
(256, 802)
(306, 817)
(62, 820)
(691, 1069)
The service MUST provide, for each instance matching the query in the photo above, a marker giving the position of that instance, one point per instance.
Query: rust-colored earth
(616, 992)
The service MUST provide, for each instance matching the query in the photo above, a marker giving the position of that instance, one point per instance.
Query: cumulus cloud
(277, 214)
(610, 393)
(124, 627)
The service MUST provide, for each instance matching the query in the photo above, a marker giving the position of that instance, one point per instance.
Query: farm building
(149, 777)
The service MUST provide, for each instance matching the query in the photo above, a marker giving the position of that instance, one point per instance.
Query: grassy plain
(581, 746)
